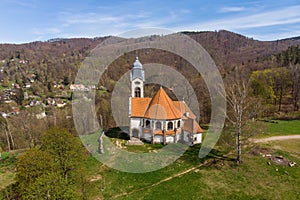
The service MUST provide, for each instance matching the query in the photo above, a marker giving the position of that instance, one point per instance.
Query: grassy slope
(259, 181)
(254, 179)
(282, 127)
(6, 170)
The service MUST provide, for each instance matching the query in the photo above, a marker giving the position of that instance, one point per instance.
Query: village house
(51, 101)
(61, 105)
(59, 86)
(27, 85)
(77, 87)
(159, 119)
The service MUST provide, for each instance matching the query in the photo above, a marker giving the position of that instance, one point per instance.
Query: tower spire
(136, 54)
(137, 78)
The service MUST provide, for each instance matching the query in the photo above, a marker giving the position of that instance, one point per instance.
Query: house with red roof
(159, 119)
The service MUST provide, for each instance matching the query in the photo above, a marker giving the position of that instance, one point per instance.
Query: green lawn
(6, 170)
(253, 179)
(281, 127)
(221, 179)
(217, 177)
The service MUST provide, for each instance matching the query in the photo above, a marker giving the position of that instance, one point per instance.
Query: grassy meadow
(283, 127)
(214, 177)
(7, 169)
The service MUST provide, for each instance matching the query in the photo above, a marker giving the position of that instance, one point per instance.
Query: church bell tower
(137, 79)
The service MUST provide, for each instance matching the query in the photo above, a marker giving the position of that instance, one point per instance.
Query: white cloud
(22, 3)
(99, 24)
(288, 15)
(282, 34)
(231, 9)
(113, 23)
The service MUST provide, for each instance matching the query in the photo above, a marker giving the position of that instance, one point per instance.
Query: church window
(147, 123)
(178, 124)
(170, 125)
(158, 125)
(137, 92)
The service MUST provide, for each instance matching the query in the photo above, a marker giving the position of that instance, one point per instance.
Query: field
(282, 127)
(6, 170)
(211, 178)
(215, 177)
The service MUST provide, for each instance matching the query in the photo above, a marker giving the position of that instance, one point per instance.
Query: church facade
(159, 119)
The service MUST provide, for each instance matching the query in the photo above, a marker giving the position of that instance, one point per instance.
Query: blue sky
(32, 20)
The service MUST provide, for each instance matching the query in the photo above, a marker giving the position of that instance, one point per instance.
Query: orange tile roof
(183, 108)
(192, 126)
(138, 106)
(162, 107)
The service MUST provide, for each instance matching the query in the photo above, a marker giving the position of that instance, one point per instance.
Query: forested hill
(227, 49)
(51, 62)
(36, 78)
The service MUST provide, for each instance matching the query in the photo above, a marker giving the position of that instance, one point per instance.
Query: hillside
(213, 177)
(36, 78)
(226, 48)
(229, 49)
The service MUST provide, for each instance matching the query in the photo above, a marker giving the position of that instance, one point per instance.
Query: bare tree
(239, 108)
(27, 129)
(3, 129)
(10, 135)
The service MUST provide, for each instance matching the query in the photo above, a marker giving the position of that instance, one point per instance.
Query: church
(159, 119)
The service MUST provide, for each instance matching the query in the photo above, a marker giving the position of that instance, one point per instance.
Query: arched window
(158, 125)
(170, 125)
(178, 124)
(137, 92)
(147, 123)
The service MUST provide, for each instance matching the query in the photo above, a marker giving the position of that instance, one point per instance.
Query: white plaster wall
(141, 86)
(147, 137)
(185, 136)
(135, 123)
(198, 137)
(158, 139)
(169, 139)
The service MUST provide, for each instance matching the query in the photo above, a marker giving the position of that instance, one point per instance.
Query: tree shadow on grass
(117, 132)
(192, 155)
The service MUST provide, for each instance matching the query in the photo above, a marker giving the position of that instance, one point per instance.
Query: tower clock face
(137, 82)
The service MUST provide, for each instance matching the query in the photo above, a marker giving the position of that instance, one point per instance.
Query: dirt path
(159, 182)
(273, 138)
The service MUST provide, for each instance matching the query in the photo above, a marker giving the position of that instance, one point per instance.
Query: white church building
(159, 119)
